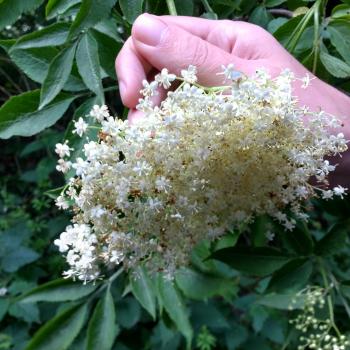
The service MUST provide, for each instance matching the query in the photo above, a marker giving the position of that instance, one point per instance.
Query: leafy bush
(56, 62)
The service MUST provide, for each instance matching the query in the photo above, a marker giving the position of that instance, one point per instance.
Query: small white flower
(99, 113)
(142, 168)
(3, 291)
(306, 81)
(61, 202)
(80, 127)
(149, 89)
(230, 73)
(63, 165)
(164, 78)
(339, 191)
(63, 150)
(189, 74)
(162, 183)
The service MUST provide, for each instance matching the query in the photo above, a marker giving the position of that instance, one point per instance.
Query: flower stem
(329, 297)
(171, 7)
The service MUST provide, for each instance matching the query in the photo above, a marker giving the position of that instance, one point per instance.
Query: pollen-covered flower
(199, 165)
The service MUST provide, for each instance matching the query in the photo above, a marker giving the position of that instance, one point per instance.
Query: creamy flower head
(204, 162)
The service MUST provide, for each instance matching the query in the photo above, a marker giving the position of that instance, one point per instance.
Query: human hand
(176, 42)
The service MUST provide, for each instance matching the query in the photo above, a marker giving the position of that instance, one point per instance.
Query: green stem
(299, 30)
(316, 38)
(207, 6)
(329, 298)
(106, 284)
(171, 7)
(340, 294)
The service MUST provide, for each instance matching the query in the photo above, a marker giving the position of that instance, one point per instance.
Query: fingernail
(148, 29)
(122, 88)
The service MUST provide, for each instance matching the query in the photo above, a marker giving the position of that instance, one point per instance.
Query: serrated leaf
(256, 261)
(91, 12)
(10, 10)
(57, 291)
(109, 27)
(57, 75)
(175, 307)
(333, 242)
(334, 65)
(102, 329)
(59, 332)
(291, 276)
(339, 31)
(35, 64)
(57, 7)
(201, 286)
(53, 35)
(143, 290)
(131, 9)
(89, 64)
(20, 115)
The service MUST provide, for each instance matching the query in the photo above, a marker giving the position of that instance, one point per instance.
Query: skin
(176, 42)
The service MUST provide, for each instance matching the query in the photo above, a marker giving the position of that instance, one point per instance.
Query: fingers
(164, 44)
(131, 69)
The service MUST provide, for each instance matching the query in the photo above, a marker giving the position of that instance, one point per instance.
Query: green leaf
(131, 9)
(59, 332)
(256, 261)
(109, 27)
(143, 290)
(19, 115)
(35, 63)
(57, 291)
(339, 31)
(90, 13)
(299, 240)
(282, 301)
(15, 259)
(201, 286)
(272, 3)
(4, 305)
(27, 312)
(291, 276)
(108, 49)
(184, 8)
(333, 242)
(129, 312)
(102, 329)
(57, 75)
(89, 64)
(10, 10)
(260, 16)
(175, 307)
(341, 11)
(57, 7)
(53, 35)
(334, 65)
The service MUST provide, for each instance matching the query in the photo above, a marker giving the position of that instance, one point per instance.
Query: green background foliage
(56, 61)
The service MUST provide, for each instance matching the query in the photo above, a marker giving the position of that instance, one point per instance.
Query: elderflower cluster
(317, 333)
(204, 162)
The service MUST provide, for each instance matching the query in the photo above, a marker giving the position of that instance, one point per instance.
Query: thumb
(166, 45)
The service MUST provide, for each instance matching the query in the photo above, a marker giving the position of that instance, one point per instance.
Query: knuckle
(200, 53)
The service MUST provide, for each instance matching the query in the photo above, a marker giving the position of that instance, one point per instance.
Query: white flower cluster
(202, 163)
(317, 332)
